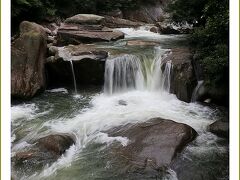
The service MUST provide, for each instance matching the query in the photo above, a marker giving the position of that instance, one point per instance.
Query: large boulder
(88, 64)
(153, 144)
(183, 79)
(28, 54)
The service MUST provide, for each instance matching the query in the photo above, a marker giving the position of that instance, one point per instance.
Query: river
(135, 90)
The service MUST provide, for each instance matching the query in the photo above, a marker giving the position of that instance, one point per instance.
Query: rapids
(136, 78)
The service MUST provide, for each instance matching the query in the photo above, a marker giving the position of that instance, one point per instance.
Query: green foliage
(210, 36)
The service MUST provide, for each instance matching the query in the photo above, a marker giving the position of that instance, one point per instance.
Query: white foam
(104, 138)
(25, 111)
(61, 90)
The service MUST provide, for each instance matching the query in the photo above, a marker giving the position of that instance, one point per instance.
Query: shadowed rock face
(153, 144)
(183, 79)
(28, 53)
(220, 128)
(88, 64)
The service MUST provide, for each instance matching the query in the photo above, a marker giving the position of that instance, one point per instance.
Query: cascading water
(129, 72)
(74, 79)
(196, 90)
(137, 79)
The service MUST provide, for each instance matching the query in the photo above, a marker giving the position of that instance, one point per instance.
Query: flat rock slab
(153, 144)
(75, 34)
(79, 52)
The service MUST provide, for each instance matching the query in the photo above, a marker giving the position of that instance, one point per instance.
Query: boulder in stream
(153, 144)
(28, 54)
(45, 150)
(183, 79)
(220, 128)
(86, 28)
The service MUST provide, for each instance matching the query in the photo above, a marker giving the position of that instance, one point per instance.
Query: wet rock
(153, 144)
(183, 80)
(114, 22)
(28, 54)
(56, 144)
(122, 102)
(85, 19)
(88, 63)
(154, 29)
(220, 128)
(45, 150)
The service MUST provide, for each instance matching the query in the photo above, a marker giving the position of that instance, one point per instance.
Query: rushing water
(136, 78)
(130, 72)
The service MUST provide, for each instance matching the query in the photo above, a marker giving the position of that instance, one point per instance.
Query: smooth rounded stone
(153, 144)
(220, 128)
(183, 79)
(57, 144)
(45, 150)
(85, 19)
(28, 55)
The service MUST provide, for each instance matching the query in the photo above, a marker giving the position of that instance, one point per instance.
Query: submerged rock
(220, 128)
(183, 79)
(153, 144)
(28, 54)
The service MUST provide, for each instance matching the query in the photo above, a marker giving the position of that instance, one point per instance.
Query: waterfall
(196, 91)
(128, 72)
(74, 79)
